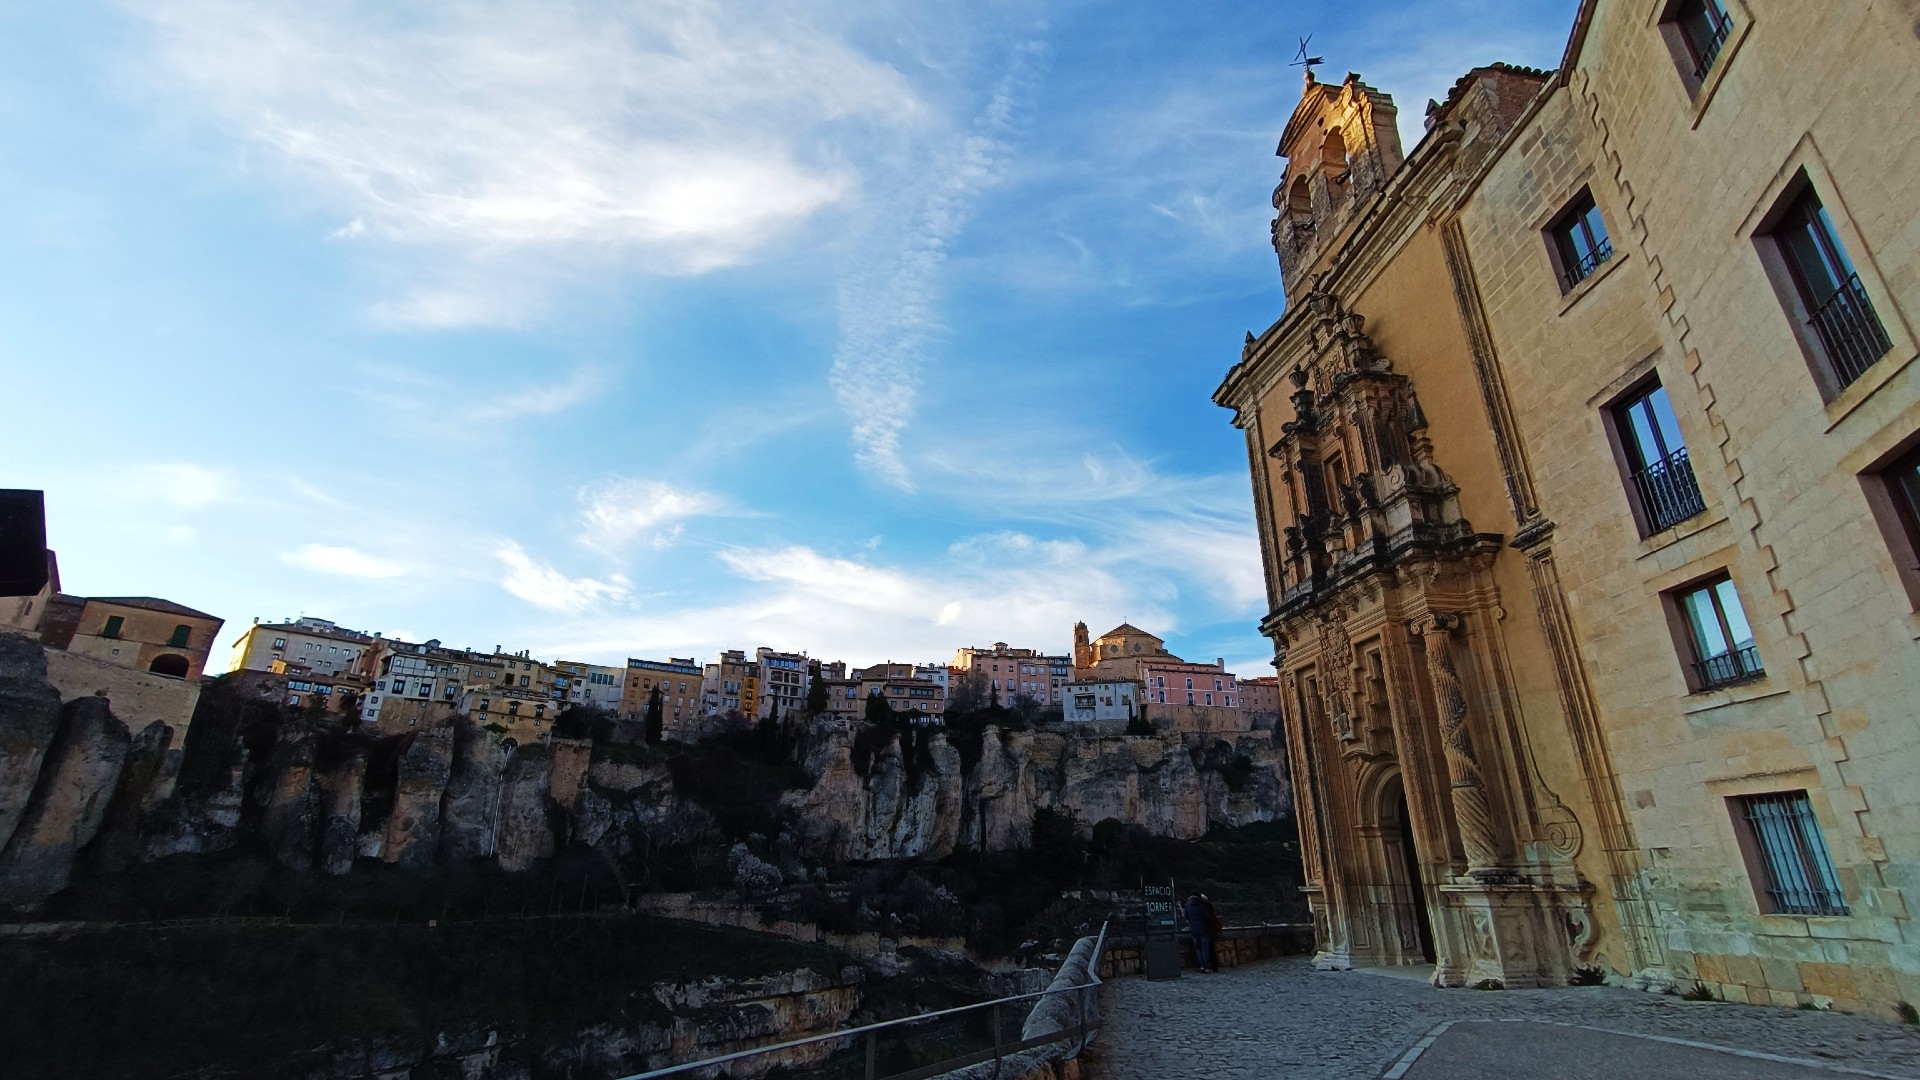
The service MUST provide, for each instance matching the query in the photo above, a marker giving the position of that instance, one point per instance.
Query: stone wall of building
(1686, 175)
(130, 691)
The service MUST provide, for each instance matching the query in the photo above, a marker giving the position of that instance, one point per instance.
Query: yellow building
(679, 682)
(140, 632)
(1585, 478)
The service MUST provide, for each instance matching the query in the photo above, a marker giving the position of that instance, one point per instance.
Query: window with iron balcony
(1659, 472)
(1703, 27)
(1580, 240)
(1833, 306)
(1720, 638)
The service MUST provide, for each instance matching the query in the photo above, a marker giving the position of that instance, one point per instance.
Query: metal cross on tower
(1302, 60)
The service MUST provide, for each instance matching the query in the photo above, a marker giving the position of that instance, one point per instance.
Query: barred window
(1790, 854)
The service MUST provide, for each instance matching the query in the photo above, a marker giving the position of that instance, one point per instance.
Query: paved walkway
(1282, 1019)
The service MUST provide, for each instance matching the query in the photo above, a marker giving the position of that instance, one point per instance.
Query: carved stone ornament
(1336, 651)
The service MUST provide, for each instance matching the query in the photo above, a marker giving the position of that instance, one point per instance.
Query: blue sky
(871, 329)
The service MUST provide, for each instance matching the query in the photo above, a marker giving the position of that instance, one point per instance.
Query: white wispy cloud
(341, 560)
(543, 586)
(619, 512)
(473, 409)
(889, 301)
(181, 484)
(679, 135)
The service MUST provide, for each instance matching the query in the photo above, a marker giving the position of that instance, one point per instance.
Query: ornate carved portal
(1421, 821)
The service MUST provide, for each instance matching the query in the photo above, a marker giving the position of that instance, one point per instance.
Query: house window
(180, 635)
(1580, 240)
(1189, 697)
(279, 643)
(399, 686)
(1894, 493)
(1795, 873)
(513, 708)
(114, 623)
(1702, 26)
(1209, 699)
(1660, 474)
(1831, 301)
(1717, 630)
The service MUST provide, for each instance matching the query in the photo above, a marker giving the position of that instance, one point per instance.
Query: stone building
(319, 645)
(1187, 695)
(597, 685)
(1584, 467)
(1013, 673)
(145, 655)
(680, 682)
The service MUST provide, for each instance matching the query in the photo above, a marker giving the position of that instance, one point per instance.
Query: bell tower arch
(1341, 146)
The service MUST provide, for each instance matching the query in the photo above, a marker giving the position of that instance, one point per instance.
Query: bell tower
(1341, 147)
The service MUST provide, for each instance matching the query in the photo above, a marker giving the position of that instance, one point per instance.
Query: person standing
(1201, 923)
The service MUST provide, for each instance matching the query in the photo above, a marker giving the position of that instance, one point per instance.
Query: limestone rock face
(891, 813)
(340, 788)
(291, 816)
(76, 783)
(413, 832)
(470, 823)
(1152, 782)
(526, 831)
(29, 716)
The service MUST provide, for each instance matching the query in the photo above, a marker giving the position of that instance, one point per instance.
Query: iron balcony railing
(1729, 667)
(1850, 331)
(1708, 50)
(1084, 998)
(1668, 492)
(1583, 268)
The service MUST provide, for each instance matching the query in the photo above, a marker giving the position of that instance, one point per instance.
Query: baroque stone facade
(1553, 699)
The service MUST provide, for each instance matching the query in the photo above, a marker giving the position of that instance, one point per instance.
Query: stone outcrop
(413, 830)
(1150, 781)
(526, 828)
(76, 783)
(321, 796)
(29, 716)
(470, 810)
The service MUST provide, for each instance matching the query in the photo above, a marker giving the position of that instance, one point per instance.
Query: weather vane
(1305, 61)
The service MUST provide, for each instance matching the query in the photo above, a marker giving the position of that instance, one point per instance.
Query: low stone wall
(1232, 947)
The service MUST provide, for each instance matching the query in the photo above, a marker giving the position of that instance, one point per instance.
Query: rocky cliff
(75, 780)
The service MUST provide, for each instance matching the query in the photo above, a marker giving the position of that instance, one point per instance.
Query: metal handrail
(1851, 331)
(872, 1032)
(1583, 268)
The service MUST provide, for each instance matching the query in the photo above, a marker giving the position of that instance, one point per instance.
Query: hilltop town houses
(156, 651)
(1585, 469)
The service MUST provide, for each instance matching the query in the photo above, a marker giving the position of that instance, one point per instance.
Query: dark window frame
(181, 634)
(1787, 856)
(1661, 486)
(1833, 316)
(1734, 665)
(1892, 488)
(115, 624)
(1704, 27)
(1579, 239)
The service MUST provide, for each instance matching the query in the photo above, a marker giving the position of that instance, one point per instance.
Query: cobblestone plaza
(1281, 1018)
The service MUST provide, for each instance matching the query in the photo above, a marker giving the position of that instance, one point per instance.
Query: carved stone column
(1472, 809)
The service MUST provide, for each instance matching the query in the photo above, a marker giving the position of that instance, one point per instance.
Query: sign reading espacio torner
(1162, 931)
